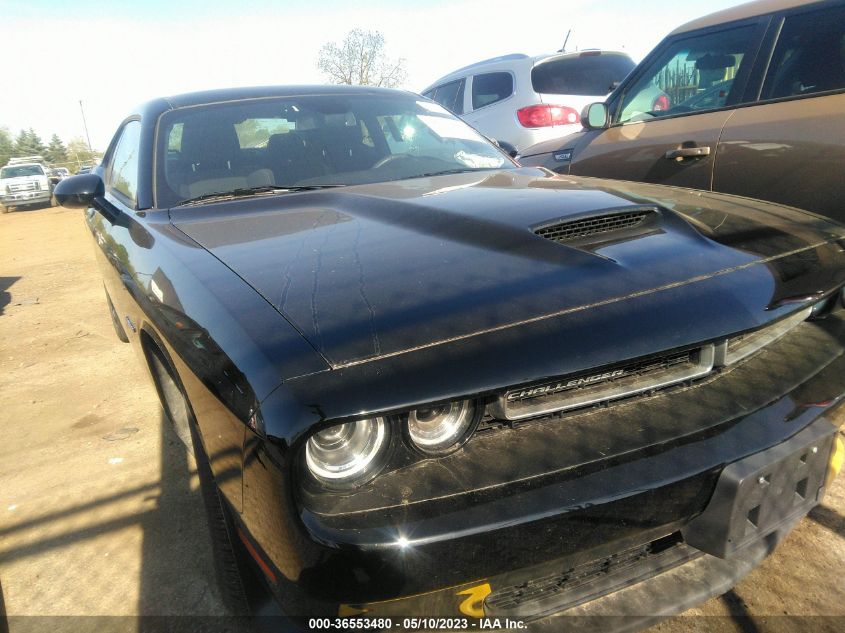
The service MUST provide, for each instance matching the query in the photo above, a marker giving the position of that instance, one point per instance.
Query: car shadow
(4, 623)
(177, 586)
(739, 612)
(5, 295)
(829, 518)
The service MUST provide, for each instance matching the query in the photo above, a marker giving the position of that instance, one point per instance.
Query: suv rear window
(490, 88)
(591, 74)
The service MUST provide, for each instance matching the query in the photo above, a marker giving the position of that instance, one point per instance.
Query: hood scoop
(608, 226)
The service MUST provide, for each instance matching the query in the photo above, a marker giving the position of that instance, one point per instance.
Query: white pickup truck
(23, 184)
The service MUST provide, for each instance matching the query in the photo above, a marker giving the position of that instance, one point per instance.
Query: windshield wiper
(243, 192)
(446, 172)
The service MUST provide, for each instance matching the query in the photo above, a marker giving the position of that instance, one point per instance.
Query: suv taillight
(660, 104)
(547, 115)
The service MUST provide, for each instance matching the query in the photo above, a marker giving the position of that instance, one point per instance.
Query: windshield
(21, 170)
(312, 141)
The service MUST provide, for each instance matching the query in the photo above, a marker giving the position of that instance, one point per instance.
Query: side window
(691, 75)
(451, 96)
(123, 171)
(490, 88)
(809, 56)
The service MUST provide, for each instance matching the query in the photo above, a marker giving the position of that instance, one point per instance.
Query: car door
(667, 117)
(790, 146)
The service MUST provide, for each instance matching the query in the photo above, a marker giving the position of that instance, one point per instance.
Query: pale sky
(115, 54)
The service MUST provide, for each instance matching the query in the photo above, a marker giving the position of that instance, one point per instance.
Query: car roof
(517, 59)
(262, 92)
(741, 12)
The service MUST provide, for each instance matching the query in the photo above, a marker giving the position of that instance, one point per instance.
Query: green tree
(360, 60)
(29, 143)
(6, 145)
(56, 151)
(78, 153)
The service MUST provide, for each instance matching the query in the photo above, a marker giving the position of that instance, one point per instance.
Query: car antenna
(565, 40)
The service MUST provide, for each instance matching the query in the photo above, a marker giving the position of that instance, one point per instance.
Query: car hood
(376, 270)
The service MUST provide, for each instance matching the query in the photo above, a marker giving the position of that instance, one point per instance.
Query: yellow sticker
(837, 456)
(347, 610)
(473, 606)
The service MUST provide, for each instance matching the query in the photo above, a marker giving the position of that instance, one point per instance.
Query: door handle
(688, 152)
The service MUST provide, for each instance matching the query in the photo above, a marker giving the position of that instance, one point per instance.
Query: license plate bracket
(763, 492)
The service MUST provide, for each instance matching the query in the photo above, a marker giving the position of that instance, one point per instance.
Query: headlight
(348, 453)
(441, 428)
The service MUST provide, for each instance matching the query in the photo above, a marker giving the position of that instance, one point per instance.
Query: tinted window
(123, 172)
(809, 56)
(490, 88)
(690, 75)
(588, 75)
(451, 96)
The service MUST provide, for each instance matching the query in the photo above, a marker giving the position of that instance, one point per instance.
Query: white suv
(524, 100)
(23, 184)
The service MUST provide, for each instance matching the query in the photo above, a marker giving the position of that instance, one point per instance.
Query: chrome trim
(746, 344)
(619, 388)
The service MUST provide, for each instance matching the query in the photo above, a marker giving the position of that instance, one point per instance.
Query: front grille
(640, 376)
(611, 384)
(24, 186)
(595, 226)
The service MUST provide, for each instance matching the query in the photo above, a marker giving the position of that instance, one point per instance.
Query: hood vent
(612, 226)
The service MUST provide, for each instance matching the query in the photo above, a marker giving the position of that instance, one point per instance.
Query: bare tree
(360, 60)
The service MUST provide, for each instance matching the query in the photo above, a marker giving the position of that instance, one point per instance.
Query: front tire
(221, 522)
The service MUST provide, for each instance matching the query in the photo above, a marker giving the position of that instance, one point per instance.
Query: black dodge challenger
(426, 382)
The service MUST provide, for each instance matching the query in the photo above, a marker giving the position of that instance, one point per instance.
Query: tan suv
(756, 108)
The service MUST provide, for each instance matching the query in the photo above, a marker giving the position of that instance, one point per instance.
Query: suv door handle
(688, 152)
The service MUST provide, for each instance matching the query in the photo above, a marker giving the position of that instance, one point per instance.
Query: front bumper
(757, 500)
(25, 197)
(673, 501)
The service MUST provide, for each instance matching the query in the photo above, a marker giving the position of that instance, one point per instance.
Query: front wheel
(221, 523)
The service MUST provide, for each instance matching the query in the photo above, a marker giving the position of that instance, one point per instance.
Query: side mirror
(78, 192)
(594, 116)
(509, 149)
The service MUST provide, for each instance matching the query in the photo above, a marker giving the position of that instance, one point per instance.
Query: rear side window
(490, 88)
(123, 173)
(590, 74)
(809, 56)
(450, 95)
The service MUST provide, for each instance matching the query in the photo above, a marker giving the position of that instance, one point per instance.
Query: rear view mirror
(78, 192)
(594, 116)
(715, 62)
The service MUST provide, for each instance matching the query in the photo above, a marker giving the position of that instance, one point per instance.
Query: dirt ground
(99, 506)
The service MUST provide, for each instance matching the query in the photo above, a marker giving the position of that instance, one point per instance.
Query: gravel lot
(99, 506)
